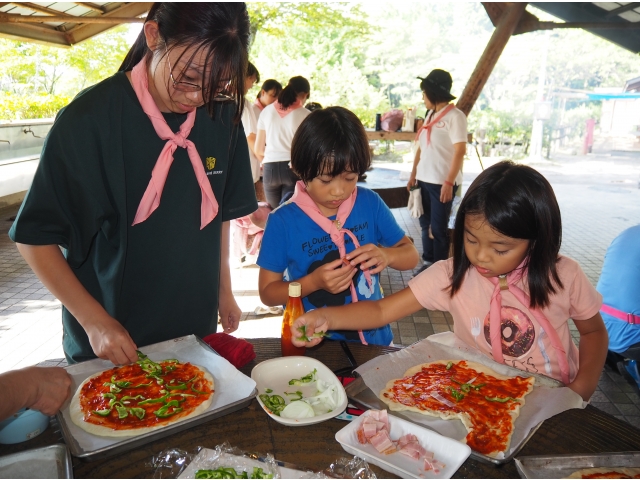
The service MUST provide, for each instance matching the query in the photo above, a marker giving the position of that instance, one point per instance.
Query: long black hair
(270, 84)
(219, 29)
(330, 141)
(289, 94)
(516, 201)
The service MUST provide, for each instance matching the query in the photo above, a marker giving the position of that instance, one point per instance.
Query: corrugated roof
(622, 17)
(71, 22)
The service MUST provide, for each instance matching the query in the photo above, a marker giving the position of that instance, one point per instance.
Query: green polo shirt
(159, 278)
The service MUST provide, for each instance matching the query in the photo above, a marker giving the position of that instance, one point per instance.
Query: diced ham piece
(408, 438)
(382, 442)
(374, 429)
(370, 429)
(413, 450)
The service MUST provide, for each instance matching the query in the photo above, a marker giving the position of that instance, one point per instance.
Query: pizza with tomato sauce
(486, 402)
(141, 397)
(606, 472)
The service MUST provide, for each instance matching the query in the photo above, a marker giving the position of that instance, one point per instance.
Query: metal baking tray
(88, 447)
(561, 466)
(362, 396)
(53, 461)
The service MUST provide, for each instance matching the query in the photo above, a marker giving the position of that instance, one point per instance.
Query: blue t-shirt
(619, 285)
(295, 245)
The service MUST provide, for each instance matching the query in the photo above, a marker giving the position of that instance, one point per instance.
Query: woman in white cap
(438, 162)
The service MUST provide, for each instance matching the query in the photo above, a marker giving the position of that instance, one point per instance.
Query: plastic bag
(408, 125)
(392, 120)
(174, 463)
(415, 203)
(457, 200)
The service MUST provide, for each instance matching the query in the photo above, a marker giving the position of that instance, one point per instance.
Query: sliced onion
(441, 399)
(472, 380)
(297, 410)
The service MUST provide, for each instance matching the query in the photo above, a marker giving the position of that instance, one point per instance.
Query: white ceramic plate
(275, 374)
(446, 450)
(202, 462)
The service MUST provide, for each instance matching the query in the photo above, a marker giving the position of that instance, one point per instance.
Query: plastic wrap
(177, 463)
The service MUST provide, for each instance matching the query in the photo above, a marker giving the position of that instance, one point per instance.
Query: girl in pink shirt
(508, 289)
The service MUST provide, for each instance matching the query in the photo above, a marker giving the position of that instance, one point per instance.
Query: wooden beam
(40, 9)
(11, 18)
(91, 6)
(504, 29)
(80, 33)
(33, 32)
(622, 9)
(588, 25)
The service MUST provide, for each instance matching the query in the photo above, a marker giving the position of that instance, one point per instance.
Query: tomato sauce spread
(456, 389)
(144, 394)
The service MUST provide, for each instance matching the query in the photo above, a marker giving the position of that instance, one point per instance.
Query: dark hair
(328, 142)
(271, 84)
(289, 94)
(220, 29)
(433, 96)
(313, 106)
(253, 71)
(516, 201)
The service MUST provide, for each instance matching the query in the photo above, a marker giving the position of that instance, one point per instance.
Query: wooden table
(382, 135)
(576, 431)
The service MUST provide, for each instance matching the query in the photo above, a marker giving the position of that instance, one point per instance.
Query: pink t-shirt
(525, 345)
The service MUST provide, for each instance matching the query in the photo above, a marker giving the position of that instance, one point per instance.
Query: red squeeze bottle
(293, 310)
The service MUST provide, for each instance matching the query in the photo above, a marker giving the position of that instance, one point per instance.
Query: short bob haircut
(330, 141)
(516, 201)
(219, 29)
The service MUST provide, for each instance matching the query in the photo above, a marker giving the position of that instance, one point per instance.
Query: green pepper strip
(182, 386)
(456, 394)
(154, 400)
(122, 411)
(465, 387)
(449, 365)
(138, 412)
(198, 391)
(306, 379)
(102, 413)
(501, 400)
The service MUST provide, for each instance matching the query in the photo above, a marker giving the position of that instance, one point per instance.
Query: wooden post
(504, 29)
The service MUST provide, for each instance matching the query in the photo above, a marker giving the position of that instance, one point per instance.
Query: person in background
(138, 180)
(313, 106)
(250, 116)
(332, 237)
(437, 166)
(509, 290)
(268, 93)
(276, 127)
(619, 285)
(39, 388)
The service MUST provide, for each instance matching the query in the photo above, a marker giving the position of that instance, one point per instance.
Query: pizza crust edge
(77, 417)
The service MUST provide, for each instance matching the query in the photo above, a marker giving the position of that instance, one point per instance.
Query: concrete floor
(599, 197)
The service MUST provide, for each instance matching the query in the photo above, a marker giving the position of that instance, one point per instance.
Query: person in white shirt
(276, 127)
(437, 166)
(250, 116)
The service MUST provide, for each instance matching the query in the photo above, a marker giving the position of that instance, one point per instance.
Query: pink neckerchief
(151, 198)
(258, 104)
(283, 112)
(333, 228)
(508, 282)
(433, 121)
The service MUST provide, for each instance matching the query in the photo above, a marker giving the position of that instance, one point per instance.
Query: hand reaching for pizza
(313, 325)
(111, 341)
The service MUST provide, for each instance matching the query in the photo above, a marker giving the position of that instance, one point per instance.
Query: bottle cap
(295, 289)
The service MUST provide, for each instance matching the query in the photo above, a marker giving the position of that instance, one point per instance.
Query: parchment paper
(547, 399)
(230, 384)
